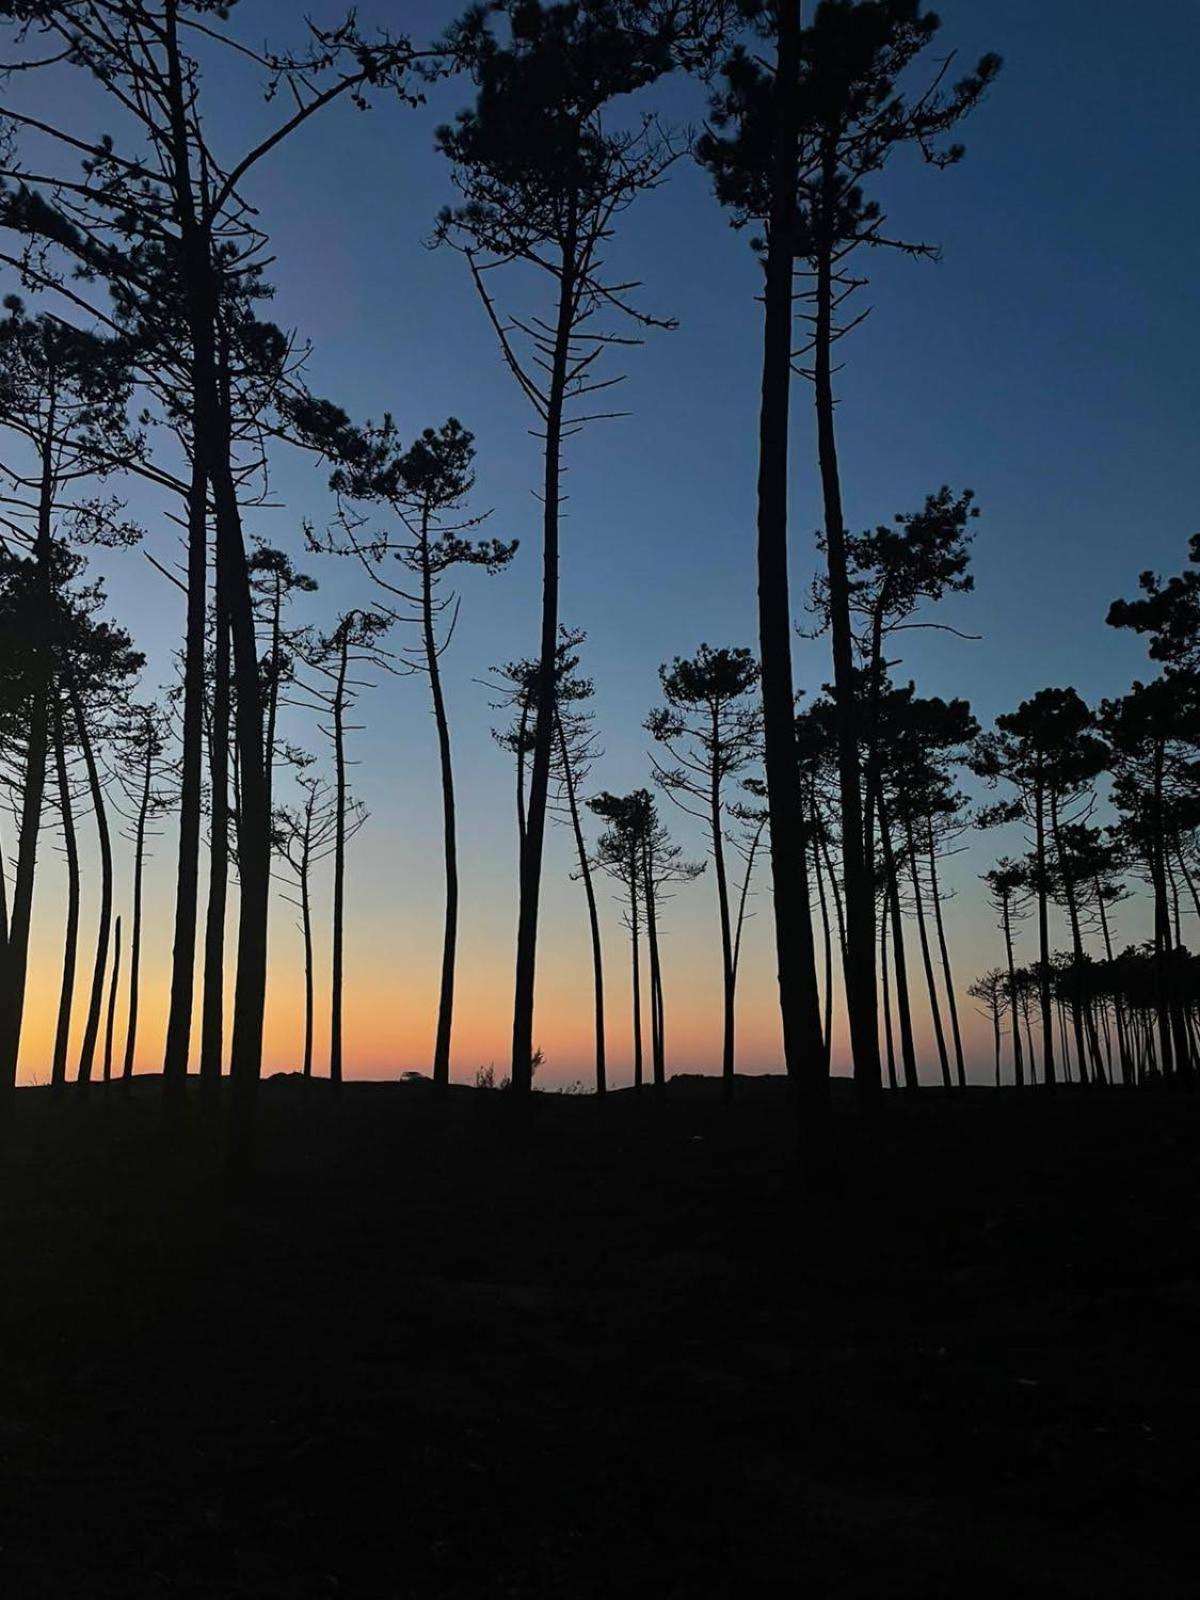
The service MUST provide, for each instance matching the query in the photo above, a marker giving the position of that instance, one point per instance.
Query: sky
(1047, 362)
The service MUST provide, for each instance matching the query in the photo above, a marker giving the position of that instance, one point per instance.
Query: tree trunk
(187, 876)
(212, 1003)
(800, 1005)
(339, 869)
(306, 928)
(635, 946)
(112, 1003)
(908, 1054)
(91, 1031)
(16, 954)
(441, 1049)
(1039, 825)
(826, 943)
(543, 727)
(935, 1011)
(861, 1002)
(952, 1004)
(887, 1003)
(716, 829)
(1018, 1063)
(135, 943)
(585, 874)
(66, 994)
(657, 1032)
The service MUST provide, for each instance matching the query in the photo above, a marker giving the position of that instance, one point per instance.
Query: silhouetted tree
(993, 994)
(543, 178)
(148, 786)
(620, 852)
(1008, 883)
(712, 732)
(355, 640)
(306, 834)
(426, 487)
(808, 130)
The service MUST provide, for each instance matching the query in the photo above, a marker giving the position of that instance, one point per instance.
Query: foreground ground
(610, 1351)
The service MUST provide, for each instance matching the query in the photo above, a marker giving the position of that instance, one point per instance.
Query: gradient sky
(1048, 362)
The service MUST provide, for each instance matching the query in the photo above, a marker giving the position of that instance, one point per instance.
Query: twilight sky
(1048, 362)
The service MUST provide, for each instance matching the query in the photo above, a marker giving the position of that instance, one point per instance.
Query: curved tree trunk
(441, 1049)
(91, 1031)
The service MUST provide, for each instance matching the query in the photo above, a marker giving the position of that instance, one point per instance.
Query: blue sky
(1048, 362)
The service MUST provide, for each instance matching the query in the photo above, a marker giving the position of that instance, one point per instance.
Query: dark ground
(610, 1352)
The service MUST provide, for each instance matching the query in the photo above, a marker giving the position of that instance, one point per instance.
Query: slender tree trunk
(826, 943)
(339, 869)
(635, 947)
(112, 1003)
(585, 874)
(943, 946)
(306, 929)
(935, 1011)
(1118, 1005)
(1082, 1021)
(887, 1003)
(212, 1004)
(1018, 1063)
(657, 1032)
(91, 1029)
(908, 1054)
(33, 787)
(1039, 826)
(441, 1049)
(996, 1032)
(135, 943)
(66, 993)
(861, 1003)
(800, 1005)
(716, 829)
(543, 728)
(832, 879)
